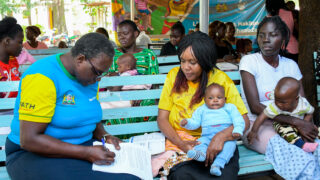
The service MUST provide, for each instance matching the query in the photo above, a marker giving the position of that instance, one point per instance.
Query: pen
(104, 144)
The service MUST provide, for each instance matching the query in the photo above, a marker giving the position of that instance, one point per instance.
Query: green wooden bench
(251, 163)
(166, 63)
(42, 53)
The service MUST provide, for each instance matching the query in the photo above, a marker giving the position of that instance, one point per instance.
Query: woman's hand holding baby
(183, 122)
(252, 135)
(185, 146)
(307, 130)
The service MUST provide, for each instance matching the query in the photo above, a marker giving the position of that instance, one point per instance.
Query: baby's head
(214, 96)
(126, 62)
(286, 94)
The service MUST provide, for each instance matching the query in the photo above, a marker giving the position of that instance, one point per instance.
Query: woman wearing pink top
(32, 32)
(25, 57)
(277, 7)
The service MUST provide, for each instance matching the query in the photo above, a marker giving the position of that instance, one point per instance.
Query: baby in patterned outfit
(287, 102)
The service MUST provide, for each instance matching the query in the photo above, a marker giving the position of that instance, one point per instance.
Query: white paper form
(131, 159)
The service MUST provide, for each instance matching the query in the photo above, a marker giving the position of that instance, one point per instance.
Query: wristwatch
(105, 136)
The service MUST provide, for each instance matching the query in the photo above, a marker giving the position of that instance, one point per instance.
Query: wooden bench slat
(234, 75)
(168, 59)
(255, 169)
(166, 69)
(2, 155)
(5, 120)
(253, 163)
(249, 153)
(132, 128)
(38, 57)
(140, 111)
(7, 103)
(3, 173)
(8, 86)
(129, 95)
(258, 157)
(48, 51)
(132, 80)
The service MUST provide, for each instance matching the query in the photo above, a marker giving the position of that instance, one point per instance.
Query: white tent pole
(204, 16)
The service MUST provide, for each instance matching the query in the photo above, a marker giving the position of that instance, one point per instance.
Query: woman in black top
(224, 48)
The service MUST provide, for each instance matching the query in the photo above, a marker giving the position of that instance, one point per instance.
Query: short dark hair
(9, 28)
(91, 45)
(130, 23)
(204, 50)
(212, 85)
(103, 31)
(179, 26)
(273, 6)
(280, 25)
(34, 29)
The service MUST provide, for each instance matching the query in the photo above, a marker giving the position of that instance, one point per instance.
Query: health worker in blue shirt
(57, 116)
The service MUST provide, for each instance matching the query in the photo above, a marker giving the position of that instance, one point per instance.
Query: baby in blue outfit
(214, 116)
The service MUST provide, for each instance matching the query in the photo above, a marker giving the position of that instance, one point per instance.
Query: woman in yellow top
(182, 94)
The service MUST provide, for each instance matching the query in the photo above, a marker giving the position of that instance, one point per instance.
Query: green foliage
(6, 7)
(93, 10)
(10, 6)
(91, 26)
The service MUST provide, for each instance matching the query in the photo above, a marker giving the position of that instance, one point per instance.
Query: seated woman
(177, 33)
(32, 32)
(11, 37)
(260, 72)
(230, 31)
(278, 8)
(57, 116)
(146, 64)
(182, 93)
(225, 51)
(213, 29)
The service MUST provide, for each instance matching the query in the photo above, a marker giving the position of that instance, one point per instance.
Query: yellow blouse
(178, 104)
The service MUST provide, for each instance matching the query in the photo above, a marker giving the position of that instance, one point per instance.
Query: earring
(283, 45)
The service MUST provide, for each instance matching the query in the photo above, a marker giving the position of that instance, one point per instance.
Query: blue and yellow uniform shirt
(48, 93)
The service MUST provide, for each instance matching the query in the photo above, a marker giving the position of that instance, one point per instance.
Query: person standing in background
(278, 7)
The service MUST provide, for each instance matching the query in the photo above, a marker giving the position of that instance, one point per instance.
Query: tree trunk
(309, 41)
(28, 3)
(59, 20)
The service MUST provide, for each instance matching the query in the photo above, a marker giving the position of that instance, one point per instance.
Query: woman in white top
(260, 73)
